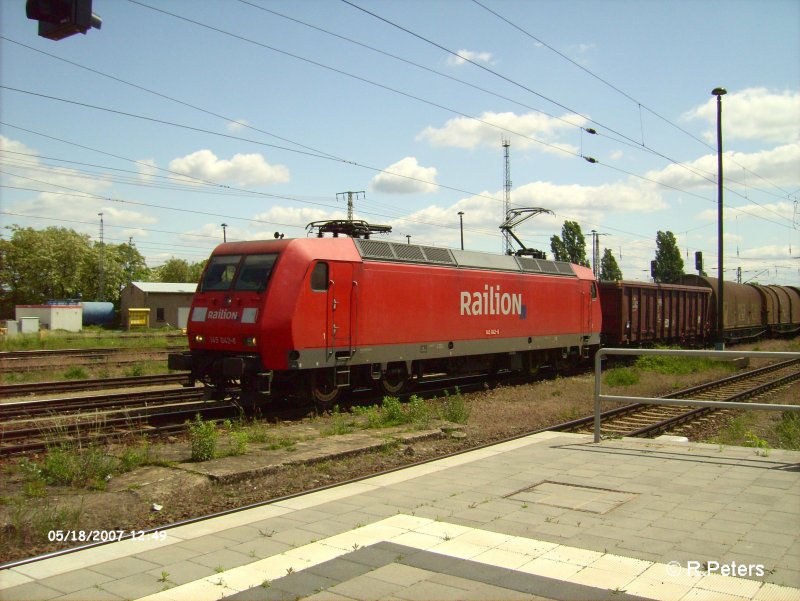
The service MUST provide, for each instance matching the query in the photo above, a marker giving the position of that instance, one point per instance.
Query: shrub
(419, 412)
(75, 373)
(89, 466)
(203, 438)
(454, 408)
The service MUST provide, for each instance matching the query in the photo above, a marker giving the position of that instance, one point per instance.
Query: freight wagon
(751, 310)
(641, 313)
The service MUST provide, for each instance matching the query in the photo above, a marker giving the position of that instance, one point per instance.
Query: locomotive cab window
(319, 277)
(594, 290)
(219, 273)
(255, 271)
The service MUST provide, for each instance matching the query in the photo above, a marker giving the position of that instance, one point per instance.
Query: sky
(178, 116)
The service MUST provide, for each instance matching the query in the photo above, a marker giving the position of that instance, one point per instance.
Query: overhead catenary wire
(633, 175)
(638, 103)
(515, 83)
(707, 175)
(333, 157)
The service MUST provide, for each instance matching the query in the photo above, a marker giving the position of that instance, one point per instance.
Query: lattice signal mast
(506, 197)
(350, 195)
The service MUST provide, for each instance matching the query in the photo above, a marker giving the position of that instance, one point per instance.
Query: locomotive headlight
(249, 340)
(199, 338)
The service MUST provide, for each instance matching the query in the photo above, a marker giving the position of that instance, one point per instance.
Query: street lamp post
(461, 221)
(719, 93)
(224, 235)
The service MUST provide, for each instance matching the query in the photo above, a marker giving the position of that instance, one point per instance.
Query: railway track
(15, 390)
(646, 420)
(35, 426)
(35, 360)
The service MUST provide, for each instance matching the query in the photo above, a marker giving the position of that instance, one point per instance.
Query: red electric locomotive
(322, 315)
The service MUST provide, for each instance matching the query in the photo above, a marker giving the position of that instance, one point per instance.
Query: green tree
(122, 264)
(196, 271)
(58, 263)
(39, 265)
(609, 270)
(571, 246)
(179, 270)
(668, 265)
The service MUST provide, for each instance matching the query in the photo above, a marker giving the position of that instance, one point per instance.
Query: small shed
(53, 316)
(169, 303)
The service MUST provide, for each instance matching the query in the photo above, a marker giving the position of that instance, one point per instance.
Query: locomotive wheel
(322, 388)
(396, 379)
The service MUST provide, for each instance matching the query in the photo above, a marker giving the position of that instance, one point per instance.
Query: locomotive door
(340, 317)
(588, 298)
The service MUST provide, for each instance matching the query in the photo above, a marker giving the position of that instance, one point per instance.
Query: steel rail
(12, 390)
(29, 409)
(792, 359)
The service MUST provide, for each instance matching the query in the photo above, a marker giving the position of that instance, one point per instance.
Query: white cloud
(147, 169)
(777, 166)
(469, 55)
(752, 114)
(406, 176)
(773, 211)
(237, 125)
(487, 130)
(241, 169)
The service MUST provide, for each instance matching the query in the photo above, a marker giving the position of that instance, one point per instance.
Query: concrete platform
(550, 516)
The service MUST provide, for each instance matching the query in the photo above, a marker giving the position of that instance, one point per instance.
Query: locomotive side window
(255, 272)
(319, 277)
(219, 273)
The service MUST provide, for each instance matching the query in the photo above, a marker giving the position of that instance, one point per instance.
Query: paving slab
(549, 516)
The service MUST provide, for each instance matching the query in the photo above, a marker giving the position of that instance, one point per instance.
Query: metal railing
(728, 355)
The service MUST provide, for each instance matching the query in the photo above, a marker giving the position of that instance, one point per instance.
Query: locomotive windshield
(255, 272)
(219, 273)
(250, 272)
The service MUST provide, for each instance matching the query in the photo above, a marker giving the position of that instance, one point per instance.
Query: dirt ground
(126, 502)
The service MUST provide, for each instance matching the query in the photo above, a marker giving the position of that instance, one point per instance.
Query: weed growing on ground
(75, 373)
(759, 444)
(733, 433)
(340, 423)
(454, 408)
(135, 370)
(391, 412)
(238, 436)
(679, 366)
(203, 438)
(788, 431)
(134, 456)
(76, 466)
(31, 523)
(621, 376)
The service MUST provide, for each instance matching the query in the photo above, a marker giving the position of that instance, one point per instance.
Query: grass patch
(340, 423)
(680, 366)
(30, 524)
(75, 373)
(788, 431)
(92, 337)
(391, 412)
(621, 376)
